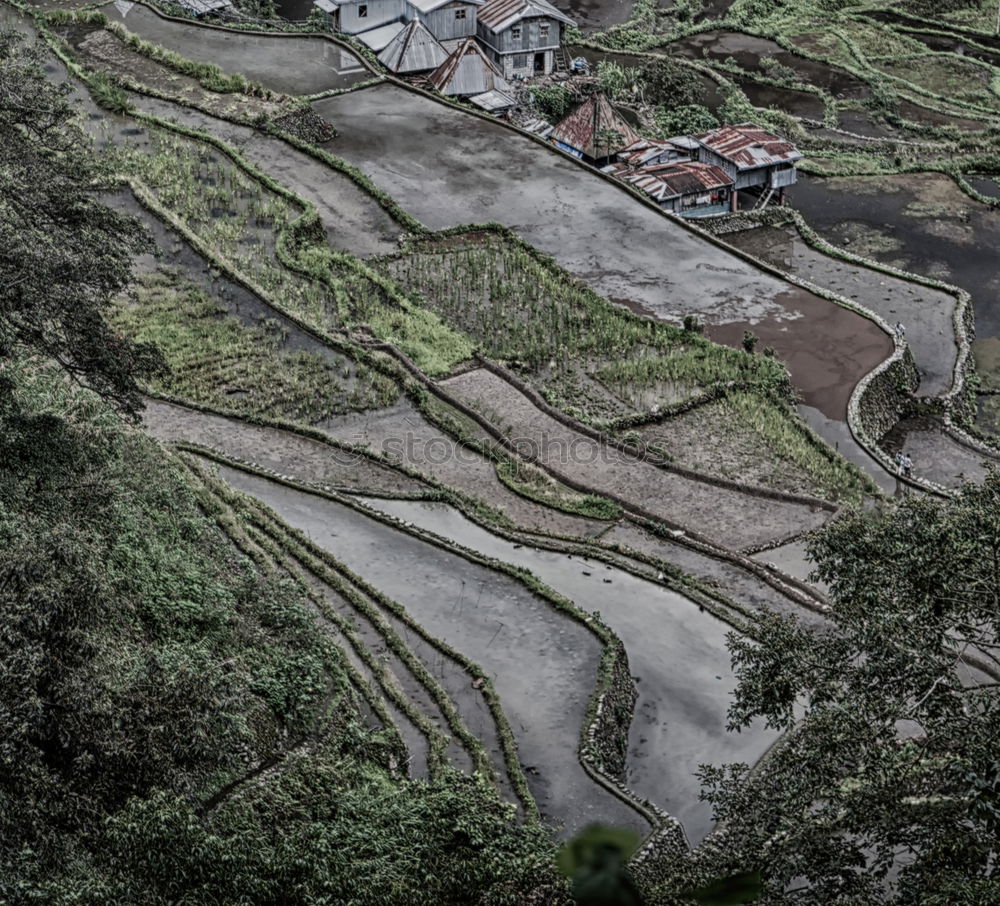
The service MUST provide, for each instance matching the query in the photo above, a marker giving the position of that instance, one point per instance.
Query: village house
(594, 131)
(755, 160)
(352, 17)
(447, 20)
(702, 175)
(413, 49)
(469, 73)
(523, 37)
(684, 187)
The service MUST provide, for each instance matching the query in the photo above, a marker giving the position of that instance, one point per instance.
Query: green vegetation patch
(533, 483)
(219, 362)
(747, 438)
(526, 311)
(178, 729)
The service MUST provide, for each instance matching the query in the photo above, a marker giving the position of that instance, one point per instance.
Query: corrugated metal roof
(639, 153)
(582, 128)
(678, 179)
(428, 6)
(748, 146)
(493, 101)
(204, 6)
(414, 49)
(379, 38)
(468, 71)
(500, 14)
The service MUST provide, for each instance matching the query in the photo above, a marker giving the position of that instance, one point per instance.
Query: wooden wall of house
(530, 37)
(758, 177)
(444, 24)
(784, 176)
(378, 12)
(707, 156)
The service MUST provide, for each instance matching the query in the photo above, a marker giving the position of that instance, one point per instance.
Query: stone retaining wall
(607, 736)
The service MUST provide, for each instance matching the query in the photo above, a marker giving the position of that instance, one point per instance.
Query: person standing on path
(900, 330)
(907, 466)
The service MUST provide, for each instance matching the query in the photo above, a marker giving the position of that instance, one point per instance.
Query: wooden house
(595, 131)
(684, 187)
(523, 37)
(756, 160)
(469, 73)
(352, 17)
(447, 20)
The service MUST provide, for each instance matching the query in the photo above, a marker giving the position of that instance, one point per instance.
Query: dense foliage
(887, 790)
(62, 255)
(174, 726)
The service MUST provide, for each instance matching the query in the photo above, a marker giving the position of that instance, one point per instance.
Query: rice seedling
(246, 370)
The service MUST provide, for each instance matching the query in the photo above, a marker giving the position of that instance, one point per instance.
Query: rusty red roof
(748, 146)
(583, 128)
(678, 179)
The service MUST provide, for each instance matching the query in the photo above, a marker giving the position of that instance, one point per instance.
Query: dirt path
(735, 520)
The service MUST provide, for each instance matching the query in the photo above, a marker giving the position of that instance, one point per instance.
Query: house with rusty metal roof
(594, 131)
(684, 187)
(523, 37)
(469, 73)
(756, 160)
(413, 49)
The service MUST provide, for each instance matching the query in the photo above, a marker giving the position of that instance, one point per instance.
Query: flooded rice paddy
(543, 665)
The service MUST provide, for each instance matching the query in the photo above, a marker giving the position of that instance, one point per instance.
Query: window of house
(520, 60)
(459, 13)
(363, 11)
(515, 33)
(543, 31)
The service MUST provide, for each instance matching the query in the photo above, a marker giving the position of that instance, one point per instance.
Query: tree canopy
(886, 789)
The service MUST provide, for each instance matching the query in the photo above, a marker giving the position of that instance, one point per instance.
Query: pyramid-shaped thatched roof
(414, 49)
(588, 127)
(468, 71)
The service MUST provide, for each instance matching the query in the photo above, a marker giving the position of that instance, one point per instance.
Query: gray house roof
(468, 71)
(379, 38)
(500, 14)
(428, 6)
(414, 49)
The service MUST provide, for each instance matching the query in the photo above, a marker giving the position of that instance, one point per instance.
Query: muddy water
(987, 185)
(594, 15)
(926, 313)
(543, 665)
(921, 222)
(852, 346)
(797, 103)
(747, 51)
(677, 653)
(291, 65)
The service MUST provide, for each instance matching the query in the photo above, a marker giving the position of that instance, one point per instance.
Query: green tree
(63, 255)
(687, 120)
(672, 83)
(886, 790)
